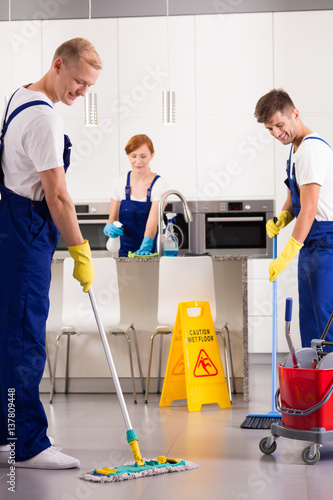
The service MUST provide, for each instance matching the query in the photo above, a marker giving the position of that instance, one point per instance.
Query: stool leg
(138, 357)
(131, 365)
(67, 362)
(149, 364)
(48, 360)
(55, 367)
(159, 366)
(226, 362)
(230, 356)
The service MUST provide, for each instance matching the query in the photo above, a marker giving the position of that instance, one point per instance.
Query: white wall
(219, 66)
(215, 150)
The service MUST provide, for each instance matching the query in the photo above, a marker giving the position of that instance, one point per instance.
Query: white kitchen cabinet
(143, 75)
(20, 60)
(95, 151)
(54, 34)
(235, 158)
(260, 334)
(235, 155)
(234, 62)
(143, 66)
(260, 306)
(260, 297)
(94, 159)
(172, 160)
(104, 38)
(308, 76)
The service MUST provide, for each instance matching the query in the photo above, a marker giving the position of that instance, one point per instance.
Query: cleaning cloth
(131, 254)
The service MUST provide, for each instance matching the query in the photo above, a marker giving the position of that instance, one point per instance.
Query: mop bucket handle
(301, 413)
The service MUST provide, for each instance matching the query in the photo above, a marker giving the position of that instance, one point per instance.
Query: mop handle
(110, 360)
(327, 327)
(274, 330)
(287, 318)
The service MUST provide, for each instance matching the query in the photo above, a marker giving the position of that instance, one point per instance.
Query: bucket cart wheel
(311, 455)
(267, 445)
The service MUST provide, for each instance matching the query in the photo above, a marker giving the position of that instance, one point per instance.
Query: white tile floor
(90, 427)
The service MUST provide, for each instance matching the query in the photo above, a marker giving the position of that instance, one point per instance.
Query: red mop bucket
(306, 400)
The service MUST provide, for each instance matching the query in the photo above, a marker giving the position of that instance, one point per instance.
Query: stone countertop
(215, 258)
(156, 259)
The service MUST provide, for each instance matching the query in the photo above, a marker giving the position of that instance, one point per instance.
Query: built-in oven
(230, 227)
(92, 218)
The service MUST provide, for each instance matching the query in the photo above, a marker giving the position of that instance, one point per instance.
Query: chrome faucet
(187, 216)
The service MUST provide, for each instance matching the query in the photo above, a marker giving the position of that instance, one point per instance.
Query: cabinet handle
(92, 221)
(234, 219)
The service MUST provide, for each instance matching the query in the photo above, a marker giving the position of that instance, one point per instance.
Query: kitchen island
(138, 287)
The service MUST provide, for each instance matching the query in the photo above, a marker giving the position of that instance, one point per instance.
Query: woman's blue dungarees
(315, 269)
(28, 238)
(134, 215)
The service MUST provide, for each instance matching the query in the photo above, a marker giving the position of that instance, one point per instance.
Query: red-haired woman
(134, 201)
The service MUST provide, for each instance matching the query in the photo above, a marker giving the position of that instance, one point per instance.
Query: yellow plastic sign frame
(194, 369)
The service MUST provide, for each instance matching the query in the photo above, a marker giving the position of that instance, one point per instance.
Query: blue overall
(134, 215)
(315, 269)
(28, 238)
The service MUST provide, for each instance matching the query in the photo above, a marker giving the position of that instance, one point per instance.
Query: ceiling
(76, 9)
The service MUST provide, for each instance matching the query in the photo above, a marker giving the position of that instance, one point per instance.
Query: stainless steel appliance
(229, 227)
(218, 227)
(92, 217)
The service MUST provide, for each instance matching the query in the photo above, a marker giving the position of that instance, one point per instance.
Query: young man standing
(34, 207)
(310, 200)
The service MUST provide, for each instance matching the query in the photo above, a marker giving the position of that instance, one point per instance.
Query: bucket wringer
(304, 397)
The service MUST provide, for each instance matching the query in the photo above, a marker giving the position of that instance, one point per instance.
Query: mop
(140, 467)
(264, 421)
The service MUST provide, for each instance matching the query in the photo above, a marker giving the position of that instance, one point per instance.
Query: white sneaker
(51, 458)
(6, 447)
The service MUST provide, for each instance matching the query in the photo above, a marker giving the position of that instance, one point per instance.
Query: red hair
(139, 140)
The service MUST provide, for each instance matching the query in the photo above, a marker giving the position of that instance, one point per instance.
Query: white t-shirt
(314, 164)
(117, 191)
(34, 142)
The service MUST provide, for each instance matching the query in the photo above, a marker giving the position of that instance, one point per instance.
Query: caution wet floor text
(194, 370)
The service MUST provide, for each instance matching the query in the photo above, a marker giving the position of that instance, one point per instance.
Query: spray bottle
(113, 244)
(170, 238)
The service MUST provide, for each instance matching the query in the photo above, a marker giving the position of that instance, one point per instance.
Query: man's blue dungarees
(315, 269)
(28, 238)
(134, 215)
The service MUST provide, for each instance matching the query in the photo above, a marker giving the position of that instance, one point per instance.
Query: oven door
(240, 234)
(92, 230)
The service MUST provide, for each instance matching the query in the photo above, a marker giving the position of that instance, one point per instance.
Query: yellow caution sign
(194, 370)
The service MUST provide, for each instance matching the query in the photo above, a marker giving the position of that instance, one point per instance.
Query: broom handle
(274, 330)
(110, 360)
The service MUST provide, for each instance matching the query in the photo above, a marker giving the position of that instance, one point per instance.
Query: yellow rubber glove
(290, 251)
(273, 228)
(83, 268)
